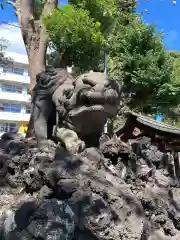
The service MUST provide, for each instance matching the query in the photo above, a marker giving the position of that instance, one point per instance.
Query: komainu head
(96, 98)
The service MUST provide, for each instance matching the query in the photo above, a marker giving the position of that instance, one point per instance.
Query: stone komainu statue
(83, 105)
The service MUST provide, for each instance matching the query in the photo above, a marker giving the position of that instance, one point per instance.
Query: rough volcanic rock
(117, 191)
(46, 219)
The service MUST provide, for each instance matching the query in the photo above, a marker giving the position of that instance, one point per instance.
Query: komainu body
(83, 106)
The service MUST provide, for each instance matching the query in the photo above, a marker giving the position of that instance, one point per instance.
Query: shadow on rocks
(46, 219)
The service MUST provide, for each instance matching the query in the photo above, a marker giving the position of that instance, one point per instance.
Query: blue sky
(166, 17)
(162, 13)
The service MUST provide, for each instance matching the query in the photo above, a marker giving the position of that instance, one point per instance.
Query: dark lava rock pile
(118, 191)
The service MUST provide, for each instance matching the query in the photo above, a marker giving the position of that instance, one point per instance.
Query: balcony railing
(16, 97)
(14, 77)
(9, 116)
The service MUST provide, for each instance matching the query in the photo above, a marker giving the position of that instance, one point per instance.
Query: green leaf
(76, 36)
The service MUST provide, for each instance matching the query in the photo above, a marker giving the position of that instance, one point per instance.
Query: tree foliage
(3, 46)
(137, 57)
(79, 31)
(175, 57)
(126, 6)
(173, 112)
(75, 36)
(102, 11)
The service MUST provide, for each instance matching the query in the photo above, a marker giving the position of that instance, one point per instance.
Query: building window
(7, 70)
(18, 71)
(9, 127)
(14, 108)
(28, 109)
(11, 88)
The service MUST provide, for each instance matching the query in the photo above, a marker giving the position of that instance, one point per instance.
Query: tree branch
(12, 3)
(27, 18)
(49, 5)
(27, 7)
(16, 6)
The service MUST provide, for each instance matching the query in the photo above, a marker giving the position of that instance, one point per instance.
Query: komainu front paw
(75, 146)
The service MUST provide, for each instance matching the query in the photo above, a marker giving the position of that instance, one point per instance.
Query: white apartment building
(14, 93)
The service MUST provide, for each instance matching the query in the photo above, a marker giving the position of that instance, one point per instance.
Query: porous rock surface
(117, 191)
